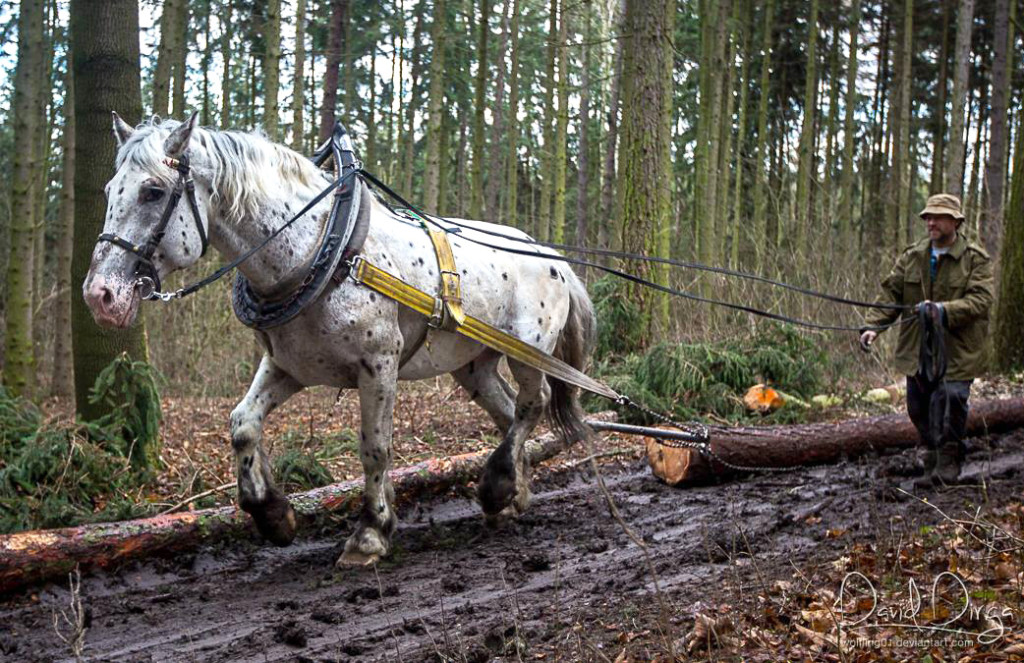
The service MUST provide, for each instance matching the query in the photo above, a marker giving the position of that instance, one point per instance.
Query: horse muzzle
(113, 302)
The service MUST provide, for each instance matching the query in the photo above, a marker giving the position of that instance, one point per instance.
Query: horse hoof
(496, 520)
(275, 520)
(366, 546)
(356, 558)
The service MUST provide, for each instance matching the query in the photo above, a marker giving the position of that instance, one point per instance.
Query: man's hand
(866, 339)
(934, 310)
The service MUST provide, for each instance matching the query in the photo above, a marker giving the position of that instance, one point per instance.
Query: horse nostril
(107, 298)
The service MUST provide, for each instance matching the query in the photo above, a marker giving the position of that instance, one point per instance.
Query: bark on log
(812, 444)
(30, 557)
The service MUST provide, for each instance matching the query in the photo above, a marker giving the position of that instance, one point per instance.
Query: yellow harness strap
(447, 314)
(395, 288)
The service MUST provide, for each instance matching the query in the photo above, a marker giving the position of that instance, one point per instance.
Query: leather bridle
(145, 271)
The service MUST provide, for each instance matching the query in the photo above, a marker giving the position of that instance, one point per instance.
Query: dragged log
(39, 555)
(812, 444)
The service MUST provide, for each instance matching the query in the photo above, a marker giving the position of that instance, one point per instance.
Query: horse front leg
(378, 382)
(257, 493)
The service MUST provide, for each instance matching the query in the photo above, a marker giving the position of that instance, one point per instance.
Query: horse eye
(151, 194)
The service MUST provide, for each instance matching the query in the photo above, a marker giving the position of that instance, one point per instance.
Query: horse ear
(122, 131)
(176, 144)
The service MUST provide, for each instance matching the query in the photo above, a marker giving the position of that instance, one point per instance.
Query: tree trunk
(1009, 319)
(738, 222)
(63, 383)
(829, 188)
(19, 368)
(561, 131)
(179, 54)
(271, 67)
(547, 156)
(164, 55)
(813, 444)
(498, 126)
(40, 555)
(609, 237)
(105, 34)
(339, 8)
(225, 54)
(939, 137)
(760, 169)
(714, 62)
(205, 119)
(955, 154)
(905, 138)
(435, 103)
(646, 138)
(995, 168)
(806, 169)
(414, 101)
(511, 216)
(298, 85)
(476, 192)
(371, 112)
(583, 167)
(849, 129)
(724, 128)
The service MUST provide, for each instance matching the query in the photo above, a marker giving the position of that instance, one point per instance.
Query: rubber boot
(926, 479)
(947, 465)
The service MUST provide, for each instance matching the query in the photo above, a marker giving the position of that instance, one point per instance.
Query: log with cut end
(40, 555)
(812, 444)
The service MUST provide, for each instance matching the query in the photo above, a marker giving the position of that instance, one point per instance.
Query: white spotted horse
(321, 329)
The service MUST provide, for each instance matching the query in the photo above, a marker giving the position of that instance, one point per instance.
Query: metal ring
(147, 287)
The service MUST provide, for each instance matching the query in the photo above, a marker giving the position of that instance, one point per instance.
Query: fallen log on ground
(30, 557)
(812, 444)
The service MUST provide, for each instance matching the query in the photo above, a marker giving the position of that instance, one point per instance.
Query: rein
(645, 282)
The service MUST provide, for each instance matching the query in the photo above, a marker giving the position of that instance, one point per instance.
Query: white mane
(245, 166)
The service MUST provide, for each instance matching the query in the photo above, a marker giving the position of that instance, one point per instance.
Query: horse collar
(342, 240)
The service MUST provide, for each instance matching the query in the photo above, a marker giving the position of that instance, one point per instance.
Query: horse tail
(574, 346)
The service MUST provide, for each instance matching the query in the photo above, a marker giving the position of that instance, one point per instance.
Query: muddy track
(454, 590)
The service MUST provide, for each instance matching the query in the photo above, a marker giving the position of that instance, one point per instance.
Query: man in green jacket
(952, 278)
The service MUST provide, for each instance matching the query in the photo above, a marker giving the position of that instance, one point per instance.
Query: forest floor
(746, 570)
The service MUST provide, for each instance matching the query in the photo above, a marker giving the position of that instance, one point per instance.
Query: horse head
(152, 228)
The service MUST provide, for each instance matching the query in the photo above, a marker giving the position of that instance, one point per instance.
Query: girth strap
(448, 314)
(392, 287)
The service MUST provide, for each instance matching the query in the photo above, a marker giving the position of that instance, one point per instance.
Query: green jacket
(963, 285)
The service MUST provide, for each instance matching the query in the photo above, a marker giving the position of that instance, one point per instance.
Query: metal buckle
(353, 269)
(437, 316)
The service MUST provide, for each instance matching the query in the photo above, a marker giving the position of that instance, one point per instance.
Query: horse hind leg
(488, 389)
(257, 493)
(504, 488)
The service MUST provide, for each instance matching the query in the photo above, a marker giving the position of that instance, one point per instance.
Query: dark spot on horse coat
(373, 297)
(554, 273)
(504, 276)
(366, 365)
(420, 261)
(539, 321)
(369, 333)
(538, 337)
(542, 304)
